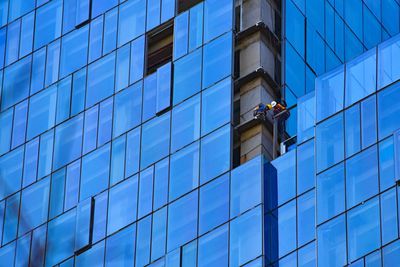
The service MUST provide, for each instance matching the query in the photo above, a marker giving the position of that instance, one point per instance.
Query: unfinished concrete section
(257, 70)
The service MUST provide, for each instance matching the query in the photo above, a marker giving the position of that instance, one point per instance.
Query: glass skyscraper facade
(118, 132)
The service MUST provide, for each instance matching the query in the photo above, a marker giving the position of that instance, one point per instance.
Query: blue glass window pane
(93, 257)
(389, 218)
(181, 32)
(146, 192)
(105, 123)
(143, 242)
(295, 27)
(69, 15)
(13, 38)
(189, 254)
(372, 29)
(16, 83)
(213, 248)
(184, 171)
(287, 228)
(128, 109)
(163, 87)
(83, 228)
(58, 248)
(173, 258)
(363, 219)
(18, 8)
(100, 6)
(4, 12)
(362, 176)
(187, 76)
(23, 250)
(118, 160)
(388, 66)
(388, 117)
(2, 209)
(38, 242)
(353, 131)
(391, 254)
(396, 138)
(153, 13)
(149, 96)
(159, 234)
(182, 220)
(353, 45)
(286, 176)
(137, 60)
(27, 34)
(315, 48)
(330, 142)
(7, 254)
(185, 123)
(132, 152)
(332, 243)
(360, 77)
(110, 31)
(3, 33)
(329, 91)
(96, 39)
(161, 184)
(34, 205)
(306, 117)
(216, 106)
(52, 62)
(120, 248)
(373, 259)
(246, 193)
(122, 208)
(305, 167)
(131, 20)
(72, 184)
(155, 146)
(95, 172)
(330, 193)
(45, 154)
(74, 49)
(57, 193)
(245, 240)
(31, 162)
(38, 70)
(11, 172)
(307, 256)
(386, 164)
(11, 218)
(100, 216)
(214, 204)
(218, 18)
(368, 121)
(100, 80)
(63, 99)
(215, 154)
(167, 10)
(289, 260)
(68, 143)
(48, 23)
(78, 92)
(390, 16)
(306, 218)
(6, 121)
(196, 27)
(82, 11)
(122, 74)
(90, 129)
(217, 59)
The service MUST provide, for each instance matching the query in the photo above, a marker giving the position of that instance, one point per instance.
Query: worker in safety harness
(260, 111)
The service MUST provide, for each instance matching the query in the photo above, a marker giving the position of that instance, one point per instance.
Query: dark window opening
(184, 5)
(159, 47)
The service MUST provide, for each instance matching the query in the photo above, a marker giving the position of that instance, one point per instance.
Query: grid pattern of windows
(105, 161)
(320, 35)
(337, 193)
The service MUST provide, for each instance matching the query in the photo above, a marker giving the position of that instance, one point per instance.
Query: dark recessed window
(159, 47)
(184, 5)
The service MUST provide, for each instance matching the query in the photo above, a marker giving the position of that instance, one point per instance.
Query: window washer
(260, 111)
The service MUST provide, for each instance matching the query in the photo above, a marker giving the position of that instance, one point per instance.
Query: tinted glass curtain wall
(107, 162)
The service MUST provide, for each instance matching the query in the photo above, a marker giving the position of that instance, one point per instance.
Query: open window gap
(184, 5)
